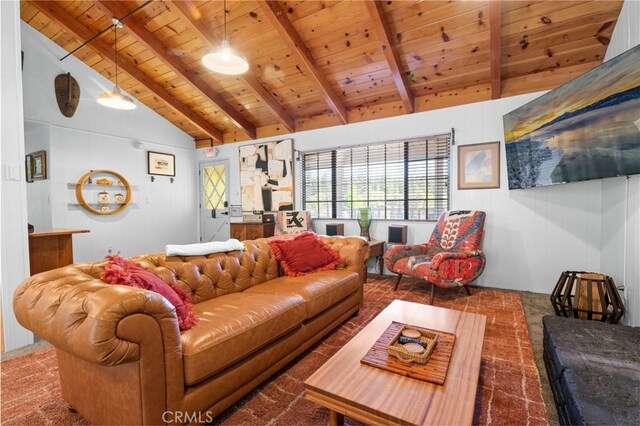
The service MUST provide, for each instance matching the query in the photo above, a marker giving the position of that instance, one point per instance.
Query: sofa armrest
(353, 251)
(79, 314)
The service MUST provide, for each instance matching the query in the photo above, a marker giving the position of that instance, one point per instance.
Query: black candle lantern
(587, 295)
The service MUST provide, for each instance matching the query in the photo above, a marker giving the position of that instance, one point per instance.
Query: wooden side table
(250, 231)
(51, 248)
(377, 251)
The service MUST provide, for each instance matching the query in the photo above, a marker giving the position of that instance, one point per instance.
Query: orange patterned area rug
(509, 390)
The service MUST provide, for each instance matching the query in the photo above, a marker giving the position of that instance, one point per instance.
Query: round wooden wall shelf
(118, 183)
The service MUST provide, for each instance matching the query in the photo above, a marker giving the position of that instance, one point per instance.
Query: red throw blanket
(119, 270)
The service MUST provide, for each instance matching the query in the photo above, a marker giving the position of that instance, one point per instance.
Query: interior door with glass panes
(214, 201)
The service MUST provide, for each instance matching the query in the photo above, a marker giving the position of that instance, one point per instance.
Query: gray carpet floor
(535, 306)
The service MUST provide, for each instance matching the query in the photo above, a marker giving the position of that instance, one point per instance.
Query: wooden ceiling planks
(495, 22)
(445, 56)
(209, 37)
(545, 80)
(579, 35)
(394, 61)
(136, 27)
(276, 14)
(570, 10)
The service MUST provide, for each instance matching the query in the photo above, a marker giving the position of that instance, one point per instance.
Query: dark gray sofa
(594, 370)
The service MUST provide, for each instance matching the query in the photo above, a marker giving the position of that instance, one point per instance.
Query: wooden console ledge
(51, 248)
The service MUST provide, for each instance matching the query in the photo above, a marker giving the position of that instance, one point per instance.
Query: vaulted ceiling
(324, 63)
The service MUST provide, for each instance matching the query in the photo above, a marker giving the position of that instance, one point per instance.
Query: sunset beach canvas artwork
(588, 128)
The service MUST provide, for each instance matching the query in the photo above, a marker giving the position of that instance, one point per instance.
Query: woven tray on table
(397, 349)
(434, 371)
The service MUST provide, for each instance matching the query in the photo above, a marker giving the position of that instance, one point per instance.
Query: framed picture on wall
(39, 165)
(266, 176)
(161, 164)
(36, 165)
(479, 166)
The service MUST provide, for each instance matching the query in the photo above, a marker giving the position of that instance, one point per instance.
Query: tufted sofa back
(206, 277)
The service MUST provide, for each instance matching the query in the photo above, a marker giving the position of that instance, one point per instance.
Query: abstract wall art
(588, 128)
(479, 166)
(266, 176)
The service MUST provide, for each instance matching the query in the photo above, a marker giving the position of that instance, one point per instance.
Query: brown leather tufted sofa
(123, 359)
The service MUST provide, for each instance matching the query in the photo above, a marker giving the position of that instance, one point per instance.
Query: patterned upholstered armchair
(451, 258)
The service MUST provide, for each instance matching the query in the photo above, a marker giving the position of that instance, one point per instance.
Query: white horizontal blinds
(394, 168)
(351, 181)
(428, 177)
(317, 183)
(397, 180)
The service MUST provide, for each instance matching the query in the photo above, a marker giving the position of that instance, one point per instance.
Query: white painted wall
(42, 65)
(531, 235)
(13, 218)
(37, 137)
(161, 212)
(621, 196)
(97, 137)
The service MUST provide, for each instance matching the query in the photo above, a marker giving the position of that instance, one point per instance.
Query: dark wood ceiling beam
(385, 35)
(183, 10)
(55, 12)
(495, 26)
(137, 29)
(299, 50)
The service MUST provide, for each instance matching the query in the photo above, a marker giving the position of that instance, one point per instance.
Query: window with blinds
(406, 180)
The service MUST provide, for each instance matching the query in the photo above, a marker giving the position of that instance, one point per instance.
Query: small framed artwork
(38, 165)
(161, 164)
(119, 198)
(479, 166)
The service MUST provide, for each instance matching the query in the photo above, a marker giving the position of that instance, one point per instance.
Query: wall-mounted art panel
(266, 176)
(588, 128)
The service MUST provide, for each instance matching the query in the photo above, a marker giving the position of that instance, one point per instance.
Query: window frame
(406, 165)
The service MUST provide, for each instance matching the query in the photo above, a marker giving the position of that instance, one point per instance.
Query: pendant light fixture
(225, 60)
(115, 98)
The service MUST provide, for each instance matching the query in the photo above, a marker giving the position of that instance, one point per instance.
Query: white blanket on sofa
(202, 249)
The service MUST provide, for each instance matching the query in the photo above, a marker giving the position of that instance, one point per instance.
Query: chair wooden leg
(466, 287)
(397, 282)
(433, 287)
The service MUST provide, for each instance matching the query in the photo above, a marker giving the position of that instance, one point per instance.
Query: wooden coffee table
(375, 396)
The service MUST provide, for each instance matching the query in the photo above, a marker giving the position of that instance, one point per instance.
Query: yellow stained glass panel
(214, 187)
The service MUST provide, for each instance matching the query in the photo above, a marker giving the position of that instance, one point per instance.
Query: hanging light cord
(225, 19)
(105, 30)
(115, 48)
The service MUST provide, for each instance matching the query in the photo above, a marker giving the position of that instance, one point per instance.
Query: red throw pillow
(119, 270)
(304, 254)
